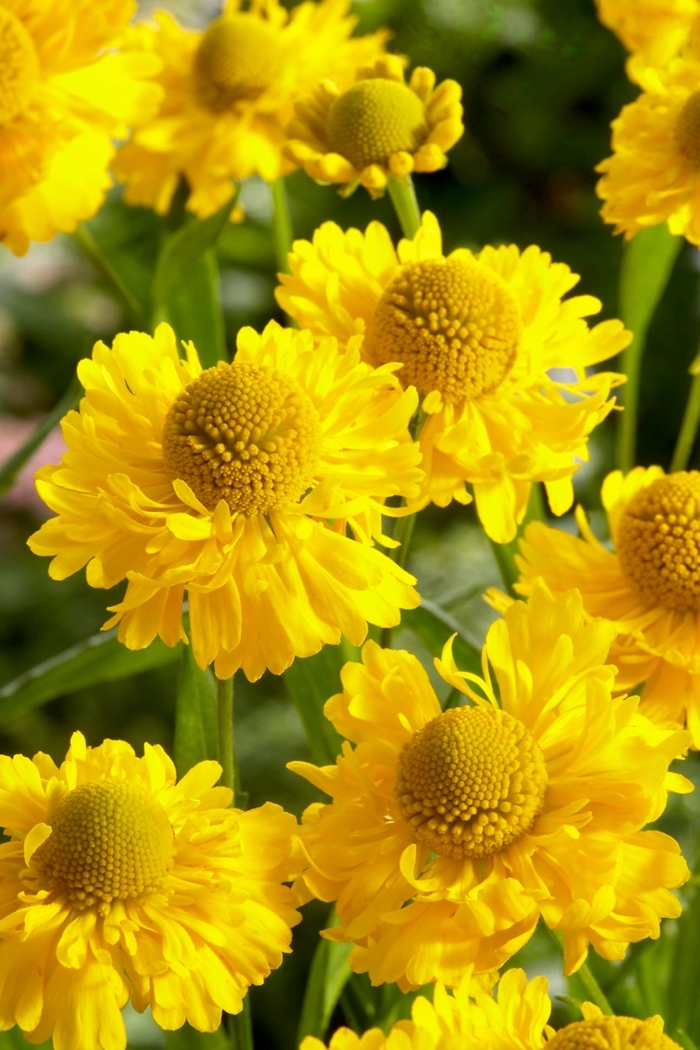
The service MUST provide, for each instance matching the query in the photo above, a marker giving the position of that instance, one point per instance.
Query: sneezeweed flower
(647, 588)
(477, 335)
(652, 175)
(654, 31)
(229, 92)
(379, 127)
(65, 92)
(515, 1018)
(451, 833)
(118, 884)
(236, 485)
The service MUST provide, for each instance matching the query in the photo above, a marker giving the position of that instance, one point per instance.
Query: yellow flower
(65, 92)
(648, 588)
(237, 485)
(379, 127)
(655, 31)
(434, 872)
(229, 92)
(117, 883)
(473, 1019)
(652, 176)
(477, 335)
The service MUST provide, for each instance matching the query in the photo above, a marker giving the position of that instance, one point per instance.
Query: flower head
(236, 484)
(65, 92)
(379, 127)
(118, 884)
(477, 335)
(654, 31)
(230, 91)
(647, 588)
(450, 833)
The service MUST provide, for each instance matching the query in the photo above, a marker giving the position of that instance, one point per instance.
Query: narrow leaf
(99, 659)
(310, 683)
(185, 247)
(12, 466)
(193, 309)
(647, 264)
(434, 627)
(195, 714)
(682, 991)
(328, 976)
(188, 1038)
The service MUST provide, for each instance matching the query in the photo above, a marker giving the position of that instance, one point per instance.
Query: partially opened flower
(379, 127)
(118, 884)
(65, 92)
(647, 588)
(237, 485)
(478, 336)
(451, 833)
(229, 93)
(654, 31)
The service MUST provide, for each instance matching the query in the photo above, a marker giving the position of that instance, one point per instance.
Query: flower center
(108, 839)
(237, 60)
(471, 781)
(374, 119)
(687, 130)
(659, 541)
(612, 1033)
(453, 324)
(244, 434)
(19, 67)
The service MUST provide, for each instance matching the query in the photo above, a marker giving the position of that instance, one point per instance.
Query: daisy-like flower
(647, 587)
(451, 833)
(477, 335)
(118, 884)
(652, 175)
(236, 484)
(65, 92)
(229, 92)
(654, 31)
(513, 1019)
(379, 127)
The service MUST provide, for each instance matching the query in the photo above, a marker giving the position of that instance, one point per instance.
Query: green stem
(12, 466)
(584, 975)
(689, 426)
(282, 233)
(91, 248)
(504, 555)
(403, 533)
(240, 1028)
(403, 197)
(226, 751)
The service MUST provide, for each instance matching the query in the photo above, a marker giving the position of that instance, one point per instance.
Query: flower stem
(240, 1028)
(403, 197)
(691, 418)
(584, 975)
(226, 750)
(97, 257)
(282, 233)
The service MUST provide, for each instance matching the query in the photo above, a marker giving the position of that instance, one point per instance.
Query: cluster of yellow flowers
(257, 491)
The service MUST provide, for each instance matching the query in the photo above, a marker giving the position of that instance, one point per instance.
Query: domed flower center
(237, 60)
(659, 541)
(109, 839)
(374, 119)
(453, 324)
(19, 67)
(471, 781)
(244, 434)
(687, 130)
(612, 1033)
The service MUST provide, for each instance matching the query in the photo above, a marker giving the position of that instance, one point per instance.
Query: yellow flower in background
(655, 31)
(451, 833)
(118, 884)
(477, 334)
(65, 93)
(652, 175)
(236, 485)
(229, 93)
(647, 588)
(379, 127)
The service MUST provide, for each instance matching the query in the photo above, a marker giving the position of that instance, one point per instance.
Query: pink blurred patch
(23, 494)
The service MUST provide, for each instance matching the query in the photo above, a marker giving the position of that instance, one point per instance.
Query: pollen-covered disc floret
(246, 434)
(471, 781)
(237, 60)
(612, 1033)
(109, 839)
(19, 67)
(374, 119)
(659, 541)
(687, 129)
(452, 323)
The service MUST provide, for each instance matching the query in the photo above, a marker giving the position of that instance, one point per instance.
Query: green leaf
(684, 1039)
(683, 1010)
(12, 466)
(195, 714)
(99, 659)
(330, 971)
(193, 309)
(188, 1038)
(434, 627)
(310, 683)
(184, 248)
(14, 1040)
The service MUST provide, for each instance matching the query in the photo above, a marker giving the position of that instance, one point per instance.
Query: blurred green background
(542, 80)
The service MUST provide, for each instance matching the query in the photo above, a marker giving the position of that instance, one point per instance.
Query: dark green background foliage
(542, 81)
